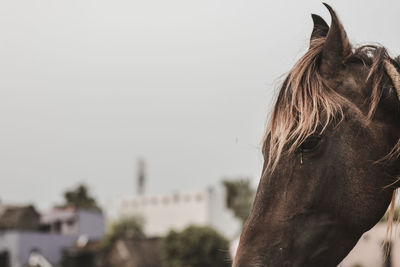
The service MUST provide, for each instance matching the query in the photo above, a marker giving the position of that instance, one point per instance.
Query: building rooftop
(19, 217)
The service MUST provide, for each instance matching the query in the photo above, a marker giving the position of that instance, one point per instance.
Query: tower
(141, 177)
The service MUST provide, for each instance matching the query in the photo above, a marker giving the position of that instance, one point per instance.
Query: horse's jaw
(304, 241)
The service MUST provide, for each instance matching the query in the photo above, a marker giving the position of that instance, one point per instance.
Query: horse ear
(320, 29)
(393, 73)
(337, 47)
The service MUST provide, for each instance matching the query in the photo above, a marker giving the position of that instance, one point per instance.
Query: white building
(370, 250)
(179, 210)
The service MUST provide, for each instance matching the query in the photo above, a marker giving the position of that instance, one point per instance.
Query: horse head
(330, 154)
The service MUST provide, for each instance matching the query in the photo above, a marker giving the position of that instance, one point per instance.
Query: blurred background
(123, 120)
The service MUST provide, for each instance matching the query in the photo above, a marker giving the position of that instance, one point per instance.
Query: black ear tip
(319, 23)
(326, 4)
(317, 19)
(328, 7)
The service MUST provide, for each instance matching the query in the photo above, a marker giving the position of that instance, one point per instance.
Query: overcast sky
(88, 87)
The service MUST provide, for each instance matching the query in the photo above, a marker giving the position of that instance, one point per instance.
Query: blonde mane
(306, 105)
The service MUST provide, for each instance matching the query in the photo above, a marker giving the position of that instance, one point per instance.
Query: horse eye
(310, 143)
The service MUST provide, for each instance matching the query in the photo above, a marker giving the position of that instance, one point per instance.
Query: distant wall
(222, 218)
(178, 210)
(9, 243)
(91, 224)
(21, 244)
(165, 212)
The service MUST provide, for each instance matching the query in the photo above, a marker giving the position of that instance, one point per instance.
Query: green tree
(80, 198)
(195, 247)
(239, 197)
(126, 228)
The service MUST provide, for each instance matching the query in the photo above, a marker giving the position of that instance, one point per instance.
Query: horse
(331, 154)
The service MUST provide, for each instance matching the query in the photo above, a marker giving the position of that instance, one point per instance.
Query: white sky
(87, 87)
